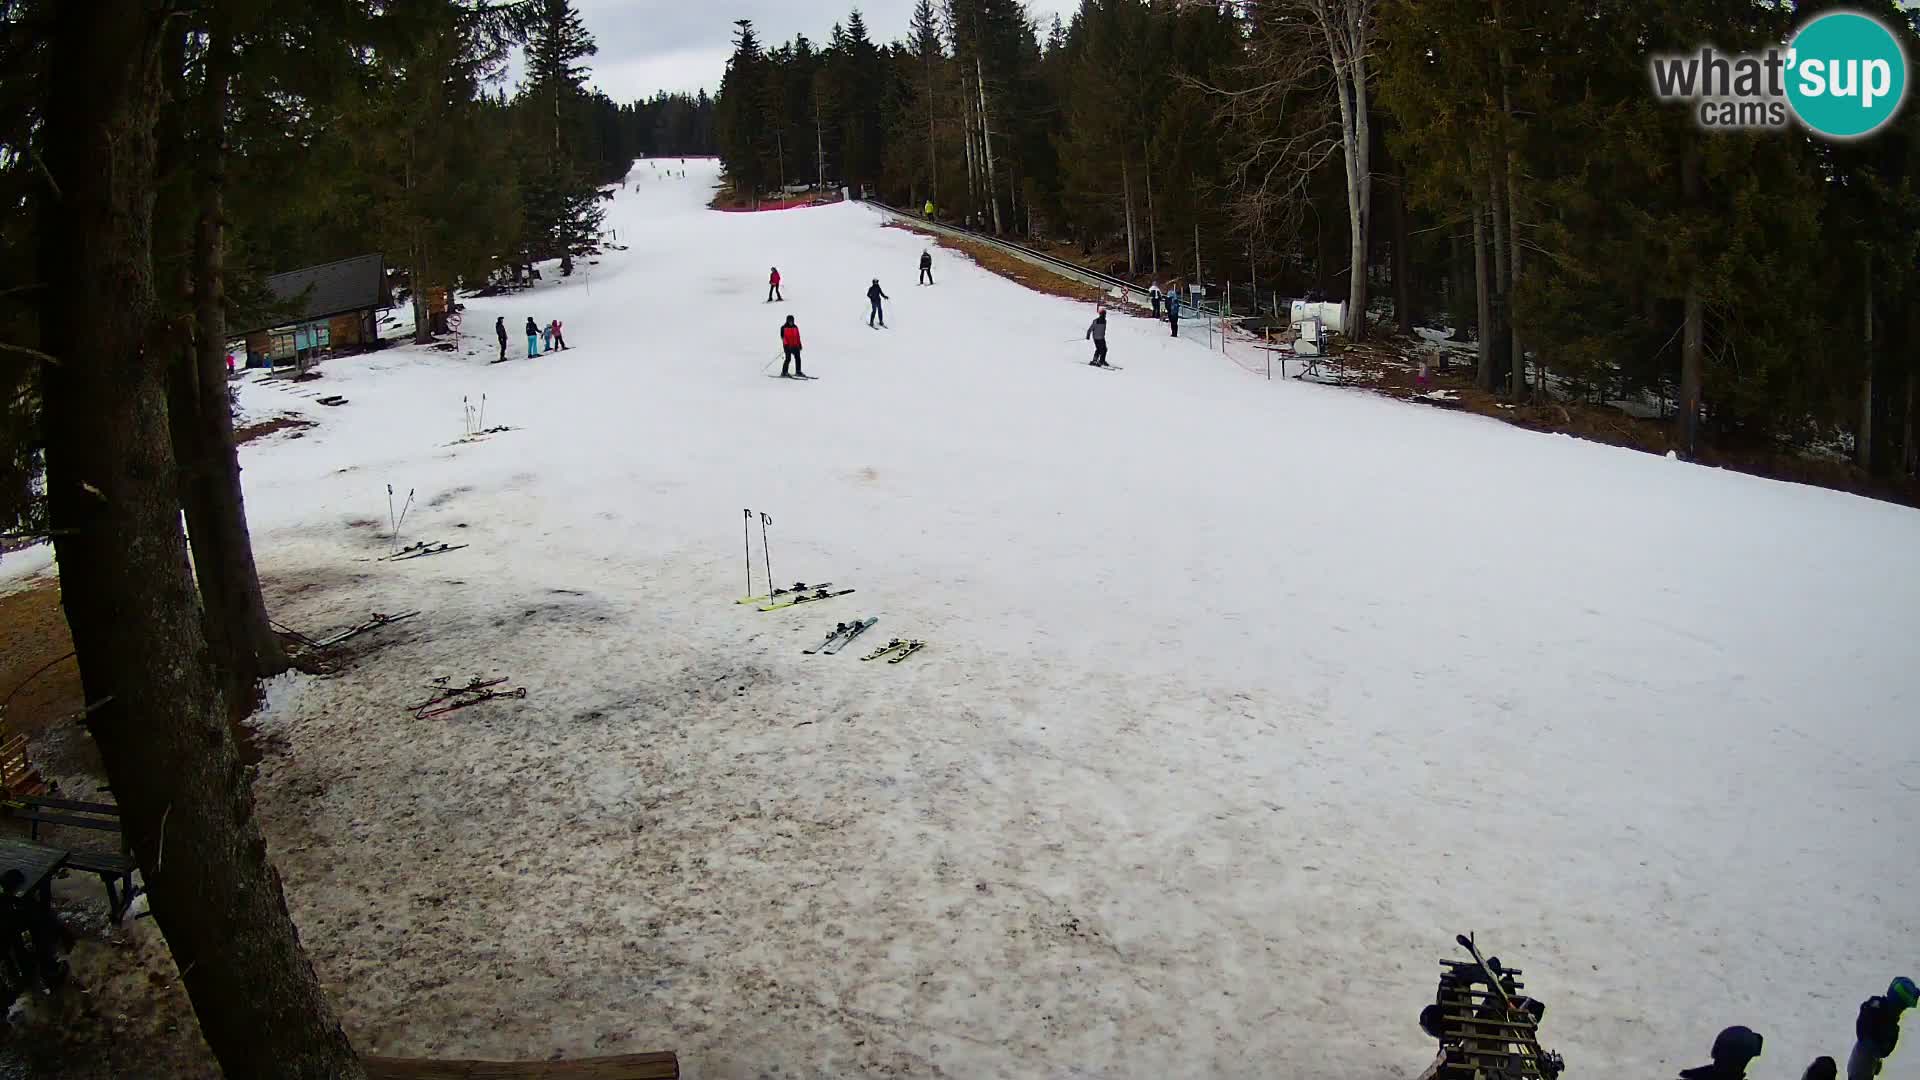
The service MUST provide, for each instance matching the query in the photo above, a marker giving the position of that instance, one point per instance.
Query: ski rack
(1486, 1028)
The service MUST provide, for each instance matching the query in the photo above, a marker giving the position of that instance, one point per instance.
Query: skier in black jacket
(926, 268)
(1877, 1028)
(874, 296)
(500, 331)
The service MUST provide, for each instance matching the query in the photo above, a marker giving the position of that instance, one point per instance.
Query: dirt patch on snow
(284, 422)
(1391, 366)
(39, 679)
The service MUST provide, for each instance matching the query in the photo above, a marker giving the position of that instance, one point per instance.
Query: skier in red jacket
(773, 285)
(790, 345)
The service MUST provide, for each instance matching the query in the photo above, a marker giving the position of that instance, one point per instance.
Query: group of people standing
(539, 339)
(1168, 299)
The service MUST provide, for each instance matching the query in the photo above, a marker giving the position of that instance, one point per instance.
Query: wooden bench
(661, 1066)
(115, 871)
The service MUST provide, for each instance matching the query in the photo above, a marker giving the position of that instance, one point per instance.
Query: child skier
(1097, 333)
(559, 342)
(533, 338)
(874, 296)
(1173, 310)
(1153, 294)
(773, 285)
(790, 348)
(926, 268)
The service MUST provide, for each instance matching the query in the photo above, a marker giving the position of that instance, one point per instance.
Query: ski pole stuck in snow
(746, 537)
(765, 551)
(394, 540)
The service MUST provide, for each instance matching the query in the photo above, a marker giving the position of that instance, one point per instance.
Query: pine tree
(740, 121)
(560, 180)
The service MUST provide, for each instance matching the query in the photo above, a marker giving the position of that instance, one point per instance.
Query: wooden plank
(68, 804)
(111, 825)
(658, 1066)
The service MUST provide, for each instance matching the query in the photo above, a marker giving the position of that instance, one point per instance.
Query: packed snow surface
(1240, 698)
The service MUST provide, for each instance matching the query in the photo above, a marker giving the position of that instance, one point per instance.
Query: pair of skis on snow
(448, 699)
(843, 633)
(801, 593)
(896, 650)
(420, 551)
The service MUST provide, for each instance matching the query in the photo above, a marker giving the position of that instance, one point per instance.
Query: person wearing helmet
(1877, 1028)
(773, 285)
(874, 296)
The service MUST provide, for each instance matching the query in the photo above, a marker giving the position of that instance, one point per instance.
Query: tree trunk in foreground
(114, 499)
(245, 647)
(1692, 336)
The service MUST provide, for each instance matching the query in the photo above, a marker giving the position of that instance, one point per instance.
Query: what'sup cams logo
(1842, 74)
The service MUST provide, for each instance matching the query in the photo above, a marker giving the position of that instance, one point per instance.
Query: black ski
(474, 686)
(424, 552)
(484, 695)
(838, 629)
(859, 627)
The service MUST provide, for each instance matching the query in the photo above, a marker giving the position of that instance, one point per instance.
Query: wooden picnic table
(37, 863)
(33, 936)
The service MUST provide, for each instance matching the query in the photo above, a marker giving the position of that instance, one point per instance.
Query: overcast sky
(649, 45)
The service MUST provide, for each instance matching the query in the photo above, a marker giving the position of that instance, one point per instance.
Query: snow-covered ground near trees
(1241, 698)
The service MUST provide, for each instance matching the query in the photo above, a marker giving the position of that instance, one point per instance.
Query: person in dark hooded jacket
(500, 331)
(874, 296)
(1733, 1049)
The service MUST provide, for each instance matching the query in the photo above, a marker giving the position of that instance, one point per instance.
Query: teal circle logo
(1846, 74)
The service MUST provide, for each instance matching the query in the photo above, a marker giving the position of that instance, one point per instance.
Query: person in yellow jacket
(928, 210)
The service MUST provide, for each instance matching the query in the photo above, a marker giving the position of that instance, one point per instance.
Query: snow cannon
(1331, 313)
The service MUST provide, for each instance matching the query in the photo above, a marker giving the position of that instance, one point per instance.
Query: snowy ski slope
(1241, 699)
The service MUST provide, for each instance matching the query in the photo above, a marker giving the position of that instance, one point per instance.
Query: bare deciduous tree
(1304, 97)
